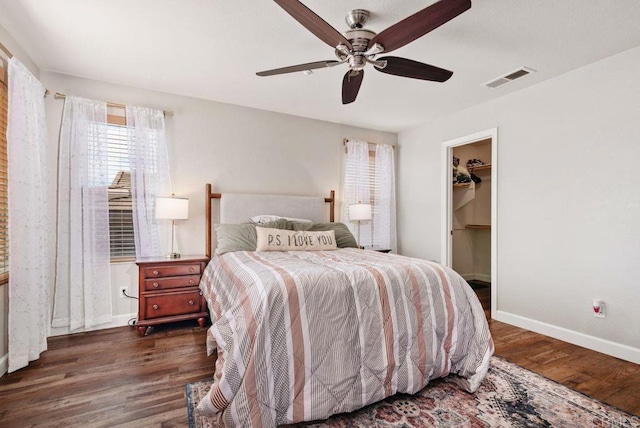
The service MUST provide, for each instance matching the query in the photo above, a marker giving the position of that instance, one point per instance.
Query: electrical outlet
(598, 307)
(123, 290)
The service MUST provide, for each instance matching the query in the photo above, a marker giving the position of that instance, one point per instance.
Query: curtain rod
(345, 140)
(4, 49)
(60, 96)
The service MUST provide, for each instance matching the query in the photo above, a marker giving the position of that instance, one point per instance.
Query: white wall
(568, 201)
(236, 149)
(17, 51)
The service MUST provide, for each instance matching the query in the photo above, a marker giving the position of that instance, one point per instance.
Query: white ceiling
(211, 49)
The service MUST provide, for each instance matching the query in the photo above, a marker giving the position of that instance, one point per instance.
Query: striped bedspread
(304, 335)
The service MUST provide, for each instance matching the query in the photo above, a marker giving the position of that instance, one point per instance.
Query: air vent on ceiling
(509, 77)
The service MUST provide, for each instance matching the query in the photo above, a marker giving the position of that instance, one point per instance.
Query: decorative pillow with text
(289, 240)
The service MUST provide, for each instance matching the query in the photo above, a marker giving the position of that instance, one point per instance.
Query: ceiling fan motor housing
(359, 39)
(357, 56)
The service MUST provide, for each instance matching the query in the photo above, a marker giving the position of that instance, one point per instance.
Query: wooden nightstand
(168, 291)
(378, 249)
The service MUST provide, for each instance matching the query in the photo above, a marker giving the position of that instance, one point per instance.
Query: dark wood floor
(114, 378)
(108, 378)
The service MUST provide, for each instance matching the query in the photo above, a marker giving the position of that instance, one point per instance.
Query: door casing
(446, 203)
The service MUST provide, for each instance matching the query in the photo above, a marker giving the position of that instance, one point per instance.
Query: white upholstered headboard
(239, 208)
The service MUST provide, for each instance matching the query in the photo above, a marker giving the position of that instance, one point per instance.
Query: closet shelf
(461, 184)
(477, 226)
(480, 167)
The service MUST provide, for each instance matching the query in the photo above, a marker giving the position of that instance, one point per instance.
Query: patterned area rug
(510, 396)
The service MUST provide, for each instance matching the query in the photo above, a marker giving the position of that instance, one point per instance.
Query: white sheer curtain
(357, 187)
(82, 297)
(149, 178)
(30, 227)
(384, 220)
(370, 178)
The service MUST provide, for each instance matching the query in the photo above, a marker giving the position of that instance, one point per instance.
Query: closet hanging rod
(59, 96)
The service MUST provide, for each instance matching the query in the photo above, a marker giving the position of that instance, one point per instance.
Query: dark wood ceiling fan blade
(313, 23)
(416, 70)
(420, 23)
(351, 85)
(299, 67)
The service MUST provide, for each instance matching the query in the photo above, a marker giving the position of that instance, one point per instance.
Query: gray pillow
(235, 237)
(281, 223)
(344, 237)
(242, 237)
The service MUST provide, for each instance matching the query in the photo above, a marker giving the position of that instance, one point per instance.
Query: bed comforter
(304, 335)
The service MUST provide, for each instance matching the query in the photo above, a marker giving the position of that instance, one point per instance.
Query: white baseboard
(116, 321)
(614, 349)
(477, 277)
(4, 364)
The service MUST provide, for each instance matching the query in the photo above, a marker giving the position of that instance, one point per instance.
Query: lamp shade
(172, 208)
(359, 212)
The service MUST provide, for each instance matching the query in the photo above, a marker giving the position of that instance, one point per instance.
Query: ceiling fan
(359, 47)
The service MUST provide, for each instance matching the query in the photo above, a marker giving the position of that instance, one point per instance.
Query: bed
(302, 335)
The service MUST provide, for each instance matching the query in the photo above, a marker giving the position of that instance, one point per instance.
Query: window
(369, 178)
(127, 156)
(4, 201)
(121, 235)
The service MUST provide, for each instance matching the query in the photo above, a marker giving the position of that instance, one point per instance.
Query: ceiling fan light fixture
(357, 62)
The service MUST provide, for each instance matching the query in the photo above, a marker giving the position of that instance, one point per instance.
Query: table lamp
(359, 212)
(172, 208)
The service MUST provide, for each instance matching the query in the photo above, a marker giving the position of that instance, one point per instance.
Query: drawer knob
(156, 285)
(155, 272)
(191, 269)
(201, 292)
(156, 307)
(191, 282)
(191, 303)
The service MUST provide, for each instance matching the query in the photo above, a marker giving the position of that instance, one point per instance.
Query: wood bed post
(332, 206)
(207, 204)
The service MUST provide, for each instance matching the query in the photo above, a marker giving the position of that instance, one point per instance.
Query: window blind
(4, 200)
(370, 180)
(121, 234)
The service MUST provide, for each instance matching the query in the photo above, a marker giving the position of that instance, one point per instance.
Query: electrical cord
(132, 321)
(126, 295)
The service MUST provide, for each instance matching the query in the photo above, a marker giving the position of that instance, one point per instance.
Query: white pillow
(262, 219)
(269, 239)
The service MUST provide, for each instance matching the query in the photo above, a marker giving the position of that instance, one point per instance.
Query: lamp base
(173, 256)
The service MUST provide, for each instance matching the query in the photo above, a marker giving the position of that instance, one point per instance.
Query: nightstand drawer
(176, 270)
(172, 282)
(180, 303)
